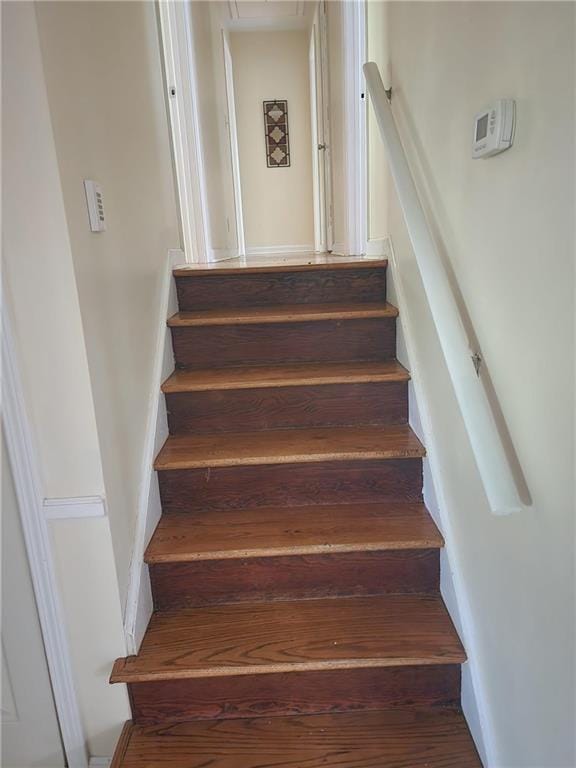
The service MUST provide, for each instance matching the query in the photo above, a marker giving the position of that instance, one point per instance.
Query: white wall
(213, 114)
(40, 289)
(277, 202)
(506, 226)
(104, 78)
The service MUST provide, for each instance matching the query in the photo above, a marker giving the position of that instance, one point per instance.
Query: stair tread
(288, 446)
(431, 737)
(283, 313)
(301, 374)
(186, 537)
(220, 268)
(294, 636)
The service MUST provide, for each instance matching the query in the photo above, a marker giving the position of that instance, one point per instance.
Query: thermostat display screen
(482, 128)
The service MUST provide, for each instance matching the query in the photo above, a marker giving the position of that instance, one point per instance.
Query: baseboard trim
(100, 762)
(223, 254)
(340, 249)
(268, 250)
(74, 507)
(138, 608)
(378, 247)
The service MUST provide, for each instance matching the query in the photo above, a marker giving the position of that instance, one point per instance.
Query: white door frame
(26, 472)
(319, 106)
(355, 107)
(181, 85)
(233, 138)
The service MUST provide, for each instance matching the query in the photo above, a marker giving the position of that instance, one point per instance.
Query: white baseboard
(138, 607)
(99, 762)
(74, 507)
(378, 247)
(455, 594)
(271, 250)
(340, 249)
(223, 254)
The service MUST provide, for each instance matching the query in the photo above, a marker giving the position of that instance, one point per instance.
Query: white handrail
(494, 464)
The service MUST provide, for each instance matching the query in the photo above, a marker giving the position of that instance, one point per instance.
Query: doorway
(267, 126)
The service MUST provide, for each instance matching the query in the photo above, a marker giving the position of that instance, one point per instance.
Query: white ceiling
(270, 14)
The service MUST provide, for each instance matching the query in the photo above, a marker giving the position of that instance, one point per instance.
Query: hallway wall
(277, 202)
(107, 104)
(505, 226)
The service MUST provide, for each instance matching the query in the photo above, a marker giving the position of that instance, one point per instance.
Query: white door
(30, 733)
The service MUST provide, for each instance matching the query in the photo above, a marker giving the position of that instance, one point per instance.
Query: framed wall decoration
(276, 133)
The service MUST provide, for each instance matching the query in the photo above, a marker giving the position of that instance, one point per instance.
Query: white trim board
(270, 250)
(138, 608)
(180, 75)
(74, 507)
(354, 46)
(26, 472)
(476, 708)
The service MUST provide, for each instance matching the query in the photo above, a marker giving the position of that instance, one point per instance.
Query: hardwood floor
(295, 570)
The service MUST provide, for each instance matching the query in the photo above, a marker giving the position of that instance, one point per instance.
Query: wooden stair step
(288, 446)
(249, 533)
(281, 284)
(421, 738)
(294, 636)
(285, 313)
(219, 268)
(298, 375)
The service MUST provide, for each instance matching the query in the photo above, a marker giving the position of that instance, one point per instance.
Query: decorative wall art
(276, 134)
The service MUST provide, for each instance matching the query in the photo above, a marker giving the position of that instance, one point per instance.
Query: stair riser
(257, 290)
(207, 582)
(304, 693)
(330, 405)
(296, 485)
(367, 339)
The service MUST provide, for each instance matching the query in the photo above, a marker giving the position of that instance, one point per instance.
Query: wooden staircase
(295, 571)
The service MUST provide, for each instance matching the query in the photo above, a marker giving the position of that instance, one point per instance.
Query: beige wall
(213, 114)
(41, 292)
(104, 79)
(506, 227)
(277, 202)
(38, 272)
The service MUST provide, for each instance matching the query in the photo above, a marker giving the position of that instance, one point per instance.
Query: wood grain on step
(294, 577)
(295, 693)
(291, 485)
(278, 266)
(296, 286)
(294, 636)
(310, 374)
(289, 446)
(331, 405)
(283, 313)
(365, 339)
(292, 531)
(432, 738)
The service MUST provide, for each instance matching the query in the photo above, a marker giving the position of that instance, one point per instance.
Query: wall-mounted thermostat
(494, 128)
(95, 205)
